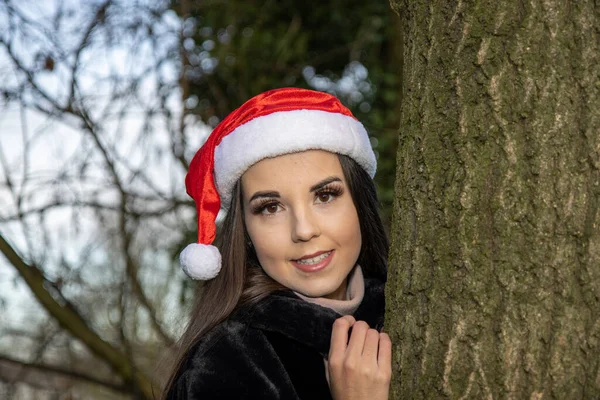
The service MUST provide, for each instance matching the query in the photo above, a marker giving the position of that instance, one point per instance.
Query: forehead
(307, 167)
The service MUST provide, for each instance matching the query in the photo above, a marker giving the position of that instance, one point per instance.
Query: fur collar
(309, 323)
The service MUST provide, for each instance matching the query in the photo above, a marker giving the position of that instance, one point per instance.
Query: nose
(305, 226)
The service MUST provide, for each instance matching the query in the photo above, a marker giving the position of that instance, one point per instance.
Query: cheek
(271, 255)
(350, 233)
(267, 239)
(346, 228)
(266, 248)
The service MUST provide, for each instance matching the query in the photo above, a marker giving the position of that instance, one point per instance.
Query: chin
(316, 292)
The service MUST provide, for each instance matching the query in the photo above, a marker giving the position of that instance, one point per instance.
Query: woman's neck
(353, 294)
(340, 293)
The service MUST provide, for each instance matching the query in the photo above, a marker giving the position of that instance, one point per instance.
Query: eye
(267, 207)
(328, 194)
(324, 197)
(270, 208)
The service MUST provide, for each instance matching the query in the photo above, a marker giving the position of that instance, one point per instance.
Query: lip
(314, 267)
(318, 253)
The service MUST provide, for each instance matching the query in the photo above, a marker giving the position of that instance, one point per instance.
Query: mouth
(313, 258)
(314, 262)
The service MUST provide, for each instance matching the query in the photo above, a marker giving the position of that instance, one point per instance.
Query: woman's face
(302, 221)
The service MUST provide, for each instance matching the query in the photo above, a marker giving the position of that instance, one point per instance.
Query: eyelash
(331, 190)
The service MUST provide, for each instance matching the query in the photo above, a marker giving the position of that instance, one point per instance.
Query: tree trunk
(494, 277)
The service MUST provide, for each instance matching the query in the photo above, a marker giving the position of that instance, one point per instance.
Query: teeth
(314, 260)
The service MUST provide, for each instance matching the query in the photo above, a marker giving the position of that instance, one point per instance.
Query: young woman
(293, 304)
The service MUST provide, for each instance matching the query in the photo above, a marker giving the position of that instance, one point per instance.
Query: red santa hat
(274, 123)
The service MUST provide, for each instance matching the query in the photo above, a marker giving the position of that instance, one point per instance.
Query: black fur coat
(272, 350)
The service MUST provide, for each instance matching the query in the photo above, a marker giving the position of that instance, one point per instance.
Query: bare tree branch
(95, 205)
(103, 178)
(178, 138)
(16, 370)
(98, 19)
(72, 321)
(92, 129)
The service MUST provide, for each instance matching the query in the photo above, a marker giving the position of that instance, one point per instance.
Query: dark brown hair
(242, 281)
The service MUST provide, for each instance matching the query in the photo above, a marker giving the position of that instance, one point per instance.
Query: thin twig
(8, 362)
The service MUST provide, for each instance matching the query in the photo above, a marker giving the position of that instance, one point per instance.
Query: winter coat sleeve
(234, 361)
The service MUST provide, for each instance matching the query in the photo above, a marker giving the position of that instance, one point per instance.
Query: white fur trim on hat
(288, 132)
(200, 261)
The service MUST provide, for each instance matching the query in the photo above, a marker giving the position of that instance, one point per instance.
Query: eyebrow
(258, 195)
(313, 188)
(324, 182)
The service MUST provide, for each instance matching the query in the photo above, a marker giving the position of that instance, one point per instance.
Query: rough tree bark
(494, 284)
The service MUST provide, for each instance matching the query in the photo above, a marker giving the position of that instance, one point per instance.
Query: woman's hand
(361, 368)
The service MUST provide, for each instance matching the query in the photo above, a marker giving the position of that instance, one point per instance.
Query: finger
(384, 359)
(339, 335)
(357, 339)
(371, 345)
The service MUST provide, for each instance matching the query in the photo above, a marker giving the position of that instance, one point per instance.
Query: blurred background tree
(103, 104)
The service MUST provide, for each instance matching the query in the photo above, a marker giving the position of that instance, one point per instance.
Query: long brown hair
(242, 281)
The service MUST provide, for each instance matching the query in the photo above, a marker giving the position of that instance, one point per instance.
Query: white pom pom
(200, 261)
